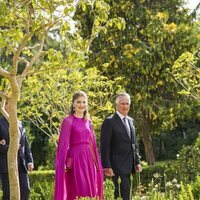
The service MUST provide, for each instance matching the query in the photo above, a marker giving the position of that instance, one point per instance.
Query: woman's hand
(66, 169)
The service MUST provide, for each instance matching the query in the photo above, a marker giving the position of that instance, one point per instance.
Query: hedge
(42, 182)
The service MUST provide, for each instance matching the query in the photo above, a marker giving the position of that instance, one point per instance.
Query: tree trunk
(146, 137)
(14, 141)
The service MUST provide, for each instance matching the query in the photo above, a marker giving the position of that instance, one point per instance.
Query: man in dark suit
(119, 153)
(25, 160)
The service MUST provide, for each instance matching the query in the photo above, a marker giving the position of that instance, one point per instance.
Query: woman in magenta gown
(78, 168)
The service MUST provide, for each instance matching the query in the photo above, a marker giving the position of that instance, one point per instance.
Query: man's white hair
(122, 94)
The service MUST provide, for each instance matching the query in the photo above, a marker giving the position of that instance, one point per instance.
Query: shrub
(42, 182)
(196, 188)
(188, 166)
(186, 192)
(41, 176)
(159, 173)
(108, 189)
(42, 185)
(42, 191)
(158, 185)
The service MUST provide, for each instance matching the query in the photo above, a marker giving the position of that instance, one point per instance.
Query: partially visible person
(119, 153)
(78, 168)
(25, 160)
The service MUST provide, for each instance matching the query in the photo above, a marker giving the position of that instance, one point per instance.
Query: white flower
(168, 184)
(174, 181)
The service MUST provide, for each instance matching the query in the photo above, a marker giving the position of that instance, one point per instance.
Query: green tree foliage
(50, 97)
(187, 74)
(144, 51)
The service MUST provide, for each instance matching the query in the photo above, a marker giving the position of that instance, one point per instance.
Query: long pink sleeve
(60, 192)
(99, 165)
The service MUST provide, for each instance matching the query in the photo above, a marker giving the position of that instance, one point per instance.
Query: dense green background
(149, 49)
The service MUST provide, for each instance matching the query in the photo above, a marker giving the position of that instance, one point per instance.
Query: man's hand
(2, 142)
(30, 167)
(138, 168)
(109, 172)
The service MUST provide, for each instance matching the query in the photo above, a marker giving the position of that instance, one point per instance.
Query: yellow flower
(161, 15)
(170, 27)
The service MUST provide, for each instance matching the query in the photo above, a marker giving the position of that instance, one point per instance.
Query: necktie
(126, 126)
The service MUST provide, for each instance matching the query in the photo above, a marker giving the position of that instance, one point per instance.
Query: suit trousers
(5, 186)
(23, 182)
(124, 186)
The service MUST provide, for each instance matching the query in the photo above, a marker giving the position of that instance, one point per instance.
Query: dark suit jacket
(24, 153)
(118, 151)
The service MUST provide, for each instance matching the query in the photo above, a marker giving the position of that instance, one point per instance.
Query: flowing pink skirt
(82, 178)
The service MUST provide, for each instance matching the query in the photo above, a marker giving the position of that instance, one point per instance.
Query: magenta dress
(77, 147)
